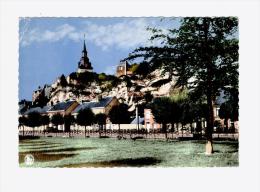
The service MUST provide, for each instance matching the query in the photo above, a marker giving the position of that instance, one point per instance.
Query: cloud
(124, 34)
(35, 35)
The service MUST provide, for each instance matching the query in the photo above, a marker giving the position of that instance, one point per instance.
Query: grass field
(108, 152)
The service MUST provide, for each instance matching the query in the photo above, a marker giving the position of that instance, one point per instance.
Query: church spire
(84, 46)
(84, 65)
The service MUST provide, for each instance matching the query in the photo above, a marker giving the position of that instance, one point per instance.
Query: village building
(149, 121)
(63, 108)
(101, 105)
(123, 69)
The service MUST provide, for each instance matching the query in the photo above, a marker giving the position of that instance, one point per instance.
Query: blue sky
(49, 47)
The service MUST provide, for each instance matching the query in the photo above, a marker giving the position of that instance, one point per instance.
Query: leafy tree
(34, 120)
(225, 112)
(63, 81)
(148, 97)
(100, 119)
(162, 110)
(119, 114)
(57, 119)
(85, 118)
(134, 67)
(45, 120)
(68, 120)
(102, 76)
(202, 53)
(22, 122)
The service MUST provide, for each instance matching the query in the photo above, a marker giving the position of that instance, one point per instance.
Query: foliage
(148, 97)
(162, 110)
(119, 114)
(102, 76)
(133, 68)
(69, 119)
(34, 119)
(57, 119)
(85, 117)
(203, 55)
(63, 81)
(22, 121)
(100, 118)
(45, 120)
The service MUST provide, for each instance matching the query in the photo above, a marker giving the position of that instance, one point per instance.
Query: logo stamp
(29, 159)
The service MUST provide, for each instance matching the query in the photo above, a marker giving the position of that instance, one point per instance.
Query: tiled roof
(37, 109)
(88, 105)
(62, 106)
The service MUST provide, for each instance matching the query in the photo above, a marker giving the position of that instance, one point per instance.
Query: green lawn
(108, 152)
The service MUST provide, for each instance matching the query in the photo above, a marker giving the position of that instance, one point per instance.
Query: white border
(244, 178)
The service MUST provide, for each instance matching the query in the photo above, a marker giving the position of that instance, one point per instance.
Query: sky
(50, 47)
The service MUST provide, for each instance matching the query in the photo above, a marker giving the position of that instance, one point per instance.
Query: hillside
(88, 86)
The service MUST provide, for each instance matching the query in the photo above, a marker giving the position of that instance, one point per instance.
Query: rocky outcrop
(158, 84)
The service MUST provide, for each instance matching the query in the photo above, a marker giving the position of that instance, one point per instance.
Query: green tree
(85, 118)
(119, 114)
(100, 119)
(202, 53)
(45, 120)
(22, 122)
(68, 120)
(63, 81)
(226, 112)
(148, 97)
(134, 67)
(34, 120)
(102, 76)
(57, 119)
(162, 111)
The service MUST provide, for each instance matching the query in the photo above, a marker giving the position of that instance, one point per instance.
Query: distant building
(149, 121)
(63, 108)
(41, 110)
(84, 65)
(123, 69)
(103, 105)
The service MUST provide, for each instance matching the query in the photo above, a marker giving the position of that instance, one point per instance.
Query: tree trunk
(119, 129)
(165, 131)
(226, 122)
(85, 131)
(23, 130)
(209, 89)
(182, 130)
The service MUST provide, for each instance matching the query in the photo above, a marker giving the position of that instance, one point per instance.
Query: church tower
(84, 65)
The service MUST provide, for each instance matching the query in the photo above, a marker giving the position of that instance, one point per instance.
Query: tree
(102, 76)
(119, 114)
(63, 81)
(225, 112)
(57, 119)
(45, 120)
(148, 97)
(85, 118)
(68, 120)
(34, 120)
(22, 122)
(100, 119)
(202, 53)
(162, 111)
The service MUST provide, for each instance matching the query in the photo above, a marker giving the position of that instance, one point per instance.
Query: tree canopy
(203, 55)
